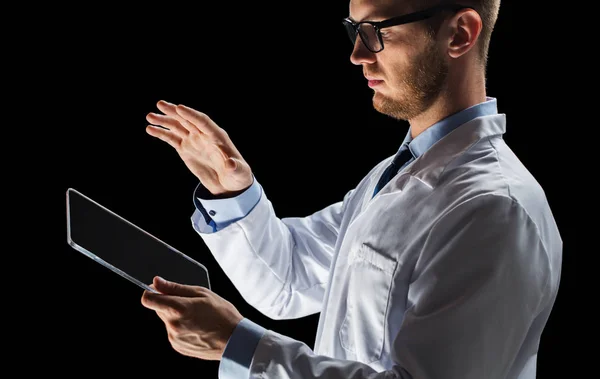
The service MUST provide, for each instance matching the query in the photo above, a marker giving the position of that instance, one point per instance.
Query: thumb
(175, 289)
(233, 164)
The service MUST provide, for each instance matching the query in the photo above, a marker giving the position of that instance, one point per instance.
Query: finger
(167, 122)
(218, 160)
(199, 120)
(208, 127)
(166, 317)
(163, 303)
(232, 164)
(164, 135)
(170, 110)
(176, 289)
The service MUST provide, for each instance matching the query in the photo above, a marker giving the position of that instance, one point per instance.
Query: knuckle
(194, 139)
(182, 129)
(144, 300)
(185, 145)
(172, 339)
(203, 118)
(226, 140)
(186, 124)
(174, 325)
(202, 290)
(176, 142)
(178, 313)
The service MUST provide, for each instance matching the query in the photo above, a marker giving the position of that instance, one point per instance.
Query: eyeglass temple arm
(418, 16)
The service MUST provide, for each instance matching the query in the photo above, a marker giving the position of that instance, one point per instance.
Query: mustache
(372, 74)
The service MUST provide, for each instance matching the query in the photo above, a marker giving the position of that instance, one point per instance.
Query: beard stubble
(419, 86)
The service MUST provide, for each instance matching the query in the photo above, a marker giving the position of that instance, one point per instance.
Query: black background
(279, 80)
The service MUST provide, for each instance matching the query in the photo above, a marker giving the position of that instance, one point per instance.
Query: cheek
(394, 67)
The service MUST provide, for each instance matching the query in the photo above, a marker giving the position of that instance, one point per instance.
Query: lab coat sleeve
(478, 285)
(239, 350)
(279, 266)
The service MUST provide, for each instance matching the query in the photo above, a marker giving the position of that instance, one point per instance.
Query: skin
(198, 321)
(204, 147)
(424, 79)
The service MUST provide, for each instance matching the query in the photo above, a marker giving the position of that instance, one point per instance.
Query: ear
(464, 27)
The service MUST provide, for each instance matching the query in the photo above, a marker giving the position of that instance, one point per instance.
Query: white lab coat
(450, 272)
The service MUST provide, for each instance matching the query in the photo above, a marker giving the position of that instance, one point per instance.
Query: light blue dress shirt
(219, 213)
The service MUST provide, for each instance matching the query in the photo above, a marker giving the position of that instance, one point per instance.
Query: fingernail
(161, 280)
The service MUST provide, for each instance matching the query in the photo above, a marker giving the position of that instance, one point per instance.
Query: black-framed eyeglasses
(370, 31)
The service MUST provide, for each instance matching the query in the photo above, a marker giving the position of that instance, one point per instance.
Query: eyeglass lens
(368, 35)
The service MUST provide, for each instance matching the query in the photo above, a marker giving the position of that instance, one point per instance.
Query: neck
(461, 92)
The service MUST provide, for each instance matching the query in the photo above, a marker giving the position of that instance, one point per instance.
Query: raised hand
(204, 147)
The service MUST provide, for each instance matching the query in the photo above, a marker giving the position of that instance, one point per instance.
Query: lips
(374, 82)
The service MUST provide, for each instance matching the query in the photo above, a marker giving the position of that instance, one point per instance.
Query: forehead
(375, 10)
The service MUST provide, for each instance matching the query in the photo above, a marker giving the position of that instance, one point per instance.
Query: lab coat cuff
(239, 351)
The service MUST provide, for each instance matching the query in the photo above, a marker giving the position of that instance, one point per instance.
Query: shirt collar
(437, 131)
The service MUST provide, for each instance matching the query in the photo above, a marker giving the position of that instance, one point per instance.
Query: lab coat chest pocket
(370, 277)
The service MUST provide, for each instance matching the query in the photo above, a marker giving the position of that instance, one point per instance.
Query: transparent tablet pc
(125, 248)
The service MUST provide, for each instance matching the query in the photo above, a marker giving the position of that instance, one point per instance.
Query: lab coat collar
(430, 165)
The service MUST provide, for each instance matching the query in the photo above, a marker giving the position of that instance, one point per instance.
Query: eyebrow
(370, 18)
(380, 16)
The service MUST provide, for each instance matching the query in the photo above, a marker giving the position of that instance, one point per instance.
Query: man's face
(410, 71)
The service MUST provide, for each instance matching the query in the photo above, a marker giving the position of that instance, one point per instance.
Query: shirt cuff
(239, 351)
(226, 211)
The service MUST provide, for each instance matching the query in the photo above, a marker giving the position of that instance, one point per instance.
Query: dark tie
(402, 157)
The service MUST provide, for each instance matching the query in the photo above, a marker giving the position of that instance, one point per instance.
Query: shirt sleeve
(218, 213)
(237, 357)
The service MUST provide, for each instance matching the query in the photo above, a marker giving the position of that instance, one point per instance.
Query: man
(443, 262)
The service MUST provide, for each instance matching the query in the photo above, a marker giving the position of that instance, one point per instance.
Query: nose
(360, 53)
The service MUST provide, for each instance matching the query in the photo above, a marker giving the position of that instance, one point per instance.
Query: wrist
(206, 193)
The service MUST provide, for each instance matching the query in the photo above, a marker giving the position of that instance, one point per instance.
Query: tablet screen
(125, 248)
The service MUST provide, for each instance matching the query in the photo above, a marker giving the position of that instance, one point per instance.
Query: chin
(393, 108)
(380, 100)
